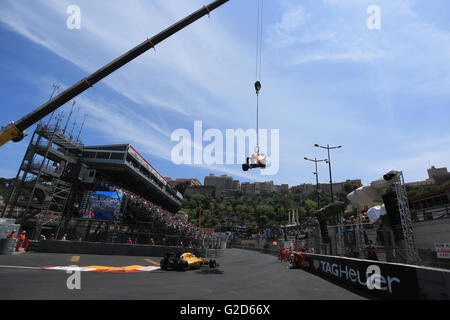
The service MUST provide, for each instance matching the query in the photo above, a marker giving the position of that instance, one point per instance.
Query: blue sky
(382, 94)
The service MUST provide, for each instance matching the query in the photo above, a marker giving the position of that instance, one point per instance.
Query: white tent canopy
(367, 194)
(376, 212)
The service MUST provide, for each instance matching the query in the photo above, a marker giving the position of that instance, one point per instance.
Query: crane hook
(257, 86)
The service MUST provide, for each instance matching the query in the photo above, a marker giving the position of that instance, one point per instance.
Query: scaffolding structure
(406, 221)
(40, 188)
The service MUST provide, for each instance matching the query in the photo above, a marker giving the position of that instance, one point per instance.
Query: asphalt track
(241, 275)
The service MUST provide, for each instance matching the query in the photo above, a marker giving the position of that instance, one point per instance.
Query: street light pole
(317, 184)
(317, 178)
(331, 179)
(329, 166)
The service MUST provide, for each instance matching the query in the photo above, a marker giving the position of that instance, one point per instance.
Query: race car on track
(185, 261)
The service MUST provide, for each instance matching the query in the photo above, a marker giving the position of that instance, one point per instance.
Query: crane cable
(258, 68)
(259, 24)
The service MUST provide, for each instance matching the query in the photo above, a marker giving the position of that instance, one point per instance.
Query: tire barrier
(7, 246)
(6, 227)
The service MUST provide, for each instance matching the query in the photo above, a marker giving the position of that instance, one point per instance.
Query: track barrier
(99, 248)
(396, 281)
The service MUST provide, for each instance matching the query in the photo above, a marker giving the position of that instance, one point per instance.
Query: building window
(103, 155)
(117, 156)
(88, 154)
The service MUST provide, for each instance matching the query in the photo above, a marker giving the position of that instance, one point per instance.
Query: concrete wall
(428, 233)
(98, 248)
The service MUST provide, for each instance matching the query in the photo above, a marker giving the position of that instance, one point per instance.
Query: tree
(266, 210)
(310, 207)
(349, 187)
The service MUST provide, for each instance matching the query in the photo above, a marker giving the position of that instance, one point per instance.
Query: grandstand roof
(126, 168)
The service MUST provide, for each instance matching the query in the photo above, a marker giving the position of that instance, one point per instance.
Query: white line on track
(19, 267)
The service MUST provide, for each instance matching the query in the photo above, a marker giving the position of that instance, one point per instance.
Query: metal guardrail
(214, 253)
(424, 215)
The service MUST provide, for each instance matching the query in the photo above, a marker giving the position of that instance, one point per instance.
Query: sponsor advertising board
(443, 250)
(383, 280)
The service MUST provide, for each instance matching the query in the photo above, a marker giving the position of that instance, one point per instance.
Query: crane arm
(16, 130)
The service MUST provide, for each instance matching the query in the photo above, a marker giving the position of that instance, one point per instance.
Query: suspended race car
(256, 160)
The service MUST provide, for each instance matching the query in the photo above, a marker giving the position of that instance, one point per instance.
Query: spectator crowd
(173, 222)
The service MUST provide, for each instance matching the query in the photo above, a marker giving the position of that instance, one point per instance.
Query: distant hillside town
(218, 186)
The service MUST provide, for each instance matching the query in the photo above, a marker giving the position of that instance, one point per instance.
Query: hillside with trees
(255, 211)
